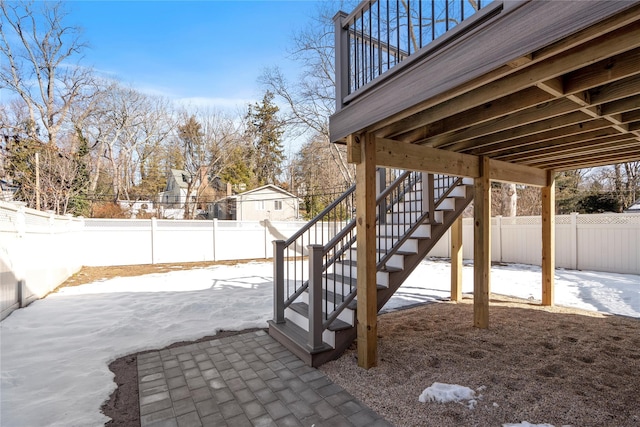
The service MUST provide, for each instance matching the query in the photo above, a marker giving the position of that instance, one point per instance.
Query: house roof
(180, 176)
(635, 208)
(534, 86)
(271, 187)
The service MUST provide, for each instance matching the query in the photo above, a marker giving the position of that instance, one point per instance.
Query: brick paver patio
(242, 380)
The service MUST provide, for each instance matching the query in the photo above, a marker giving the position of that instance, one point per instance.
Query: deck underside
(541, 85)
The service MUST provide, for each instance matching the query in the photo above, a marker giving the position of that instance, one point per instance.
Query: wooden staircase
(315, 271)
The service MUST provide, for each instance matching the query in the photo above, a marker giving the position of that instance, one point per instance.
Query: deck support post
(548, 239)
(456, 260)
(482, 245)
(367, 328)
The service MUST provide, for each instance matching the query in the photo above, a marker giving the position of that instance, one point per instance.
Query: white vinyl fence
(152, 241)
(39, 251)
(602, 242)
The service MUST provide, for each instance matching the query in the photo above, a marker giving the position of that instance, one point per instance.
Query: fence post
(215, 229)
(21, 294)
(278, 281)
(21, 221)
(498, 250)
(154, 225)
(266, 238)
(315, 296)
(574, 240)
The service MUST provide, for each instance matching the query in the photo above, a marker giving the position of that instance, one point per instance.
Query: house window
(278, 205)
(259, 205)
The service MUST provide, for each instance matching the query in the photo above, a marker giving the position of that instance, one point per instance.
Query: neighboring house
(175, 194)
(7, 190)
(635, 208)
(135, 207)
(266, 202)
(203, 191)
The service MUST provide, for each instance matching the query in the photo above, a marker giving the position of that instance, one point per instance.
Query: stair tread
(440, 218)
(398, 252)
(332, 297)
(303, 309)
(298, 335)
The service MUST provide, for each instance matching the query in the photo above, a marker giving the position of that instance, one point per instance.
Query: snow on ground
(443, 393)
(54, 354)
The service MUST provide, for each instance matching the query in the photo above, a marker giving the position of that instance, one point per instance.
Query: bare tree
(509, 199)
(125, 120)
(207, 140)
(311, 99)
(38, 51)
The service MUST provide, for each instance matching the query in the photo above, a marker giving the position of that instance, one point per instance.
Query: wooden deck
(518, 91)
(550, 85)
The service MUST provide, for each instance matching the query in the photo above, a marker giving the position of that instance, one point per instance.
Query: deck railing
(379, 35)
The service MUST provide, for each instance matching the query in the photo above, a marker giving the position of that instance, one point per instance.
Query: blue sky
(202, 52)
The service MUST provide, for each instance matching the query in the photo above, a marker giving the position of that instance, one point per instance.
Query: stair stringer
(411, 261)
(344, 339)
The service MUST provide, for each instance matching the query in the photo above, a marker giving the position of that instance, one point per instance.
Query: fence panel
(182, 241)
(521, 240)
(606, 242)
(609, 243)
(117, 242)
(38, 251)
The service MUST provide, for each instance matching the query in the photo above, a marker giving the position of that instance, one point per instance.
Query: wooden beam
(367, 312)
(468, 138)
(456, 260)
(621, 106)
(401, 155)
(603, 72)
(482, 246)
(519, 174)
(504, 106)
(630, 116)
(548, 240)
(353, 149)
(628, 154)
(592, 148)
(558, 144)
(617, 90)
(571, 123)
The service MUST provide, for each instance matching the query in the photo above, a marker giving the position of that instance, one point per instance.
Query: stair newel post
(428, 195)
(316, 253)
(278, 281)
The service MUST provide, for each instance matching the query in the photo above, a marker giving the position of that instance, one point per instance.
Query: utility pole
(37, 181)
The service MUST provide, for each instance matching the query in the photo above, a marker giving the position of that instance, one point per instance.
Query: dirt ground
(541, 365)
(537, 364)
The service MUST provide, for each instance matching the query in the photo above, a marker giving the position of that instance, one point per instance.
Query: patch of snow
(443, 393)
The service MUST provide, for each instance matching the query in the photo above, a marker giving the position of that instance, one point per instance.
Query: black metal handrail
(404, 204)
(381, 34)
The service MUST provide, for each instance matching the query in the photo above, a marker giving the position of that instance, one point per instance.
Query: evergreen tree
(238, 171)
(79, 204)
(567, 193)
(265, 130)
